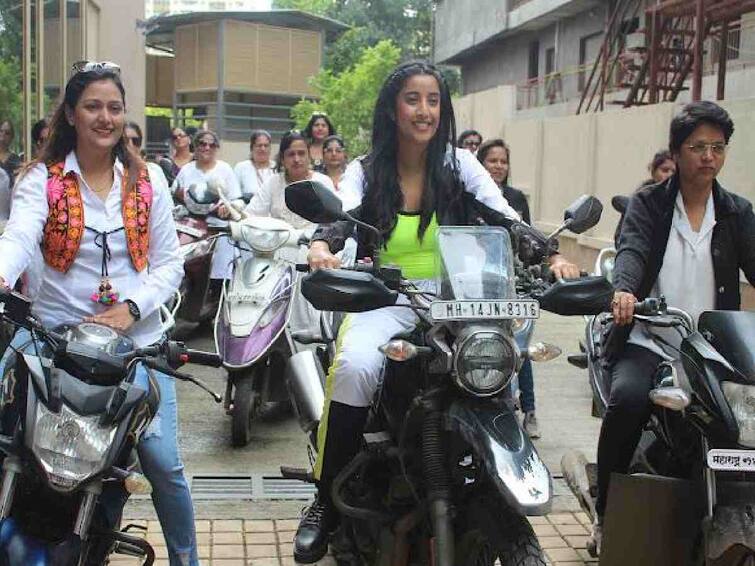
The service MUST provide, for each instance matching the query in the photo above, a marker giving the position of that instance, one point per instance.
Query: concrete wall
(554, 160)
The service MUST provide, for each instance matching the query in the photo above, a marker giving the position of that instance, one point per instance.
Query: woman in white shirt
(253, 172)
(207, 168)
(293, 164)
(86, 188)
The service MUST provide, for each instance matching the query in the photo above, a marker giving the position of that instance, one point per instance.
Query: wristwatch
(133, 309)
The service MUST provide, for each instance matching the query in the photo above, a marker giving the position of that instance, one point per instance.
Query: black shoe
(311, 540)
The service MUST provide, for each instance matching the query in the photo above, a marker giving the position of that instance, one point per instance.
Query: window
(533, 67)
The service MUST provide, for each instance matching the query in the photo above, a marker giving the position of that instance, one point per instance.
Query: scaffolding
(671, 51)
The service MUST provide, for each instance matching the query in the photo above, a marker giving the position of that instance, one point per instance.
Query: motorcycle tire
(496, 535)
(244, 401)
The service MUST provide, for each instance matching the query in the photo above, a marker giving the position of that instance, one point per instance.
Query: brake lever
(157, 365)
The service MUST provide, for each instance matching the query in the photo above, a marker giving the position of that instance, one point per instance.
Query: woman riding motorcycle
(111, 257)
(686, 239)
(412, 181)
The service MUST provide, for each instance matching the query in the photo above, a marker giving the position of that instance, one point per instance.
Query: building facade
(542, 52)
(155, 7)
(57, 34)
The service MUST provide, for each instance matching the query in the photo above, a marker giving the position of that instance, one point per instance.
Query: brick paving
(268, 542)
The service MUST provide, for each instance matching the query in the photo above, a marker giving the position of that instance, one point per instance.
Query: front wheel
(245, 400)
(495, 534)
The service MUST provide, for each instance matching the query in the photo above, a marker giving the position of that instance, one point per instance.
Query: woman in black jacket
(685, 239)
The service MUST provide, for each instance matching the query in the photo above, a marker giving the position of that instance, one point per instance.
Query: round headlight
(485, 362)
(264, 241)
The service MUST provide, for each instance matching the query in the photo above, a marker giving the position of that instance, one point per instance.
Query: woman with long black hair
(412, 181)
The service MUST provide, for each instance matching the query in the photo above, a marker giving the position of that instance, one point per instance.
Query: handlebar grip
(204, 358)
(302, 267)
(362, 267)
(647, 307)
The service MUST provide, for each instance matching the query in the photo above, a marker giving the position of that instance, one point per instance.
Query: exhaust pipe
(305, 378)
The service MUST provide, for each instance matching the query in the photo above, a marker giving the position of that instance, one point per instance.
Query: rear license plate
(483, 310)
(731, 460)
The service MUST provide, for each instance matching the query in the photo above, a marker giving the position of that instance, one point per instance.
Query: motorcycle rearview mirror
(674, 398)
(315, 202)
(581, 215)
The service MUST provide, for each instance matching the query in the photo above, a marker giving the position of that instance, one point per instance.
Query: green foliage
(11, 96)
(408, 23)
(349, 97)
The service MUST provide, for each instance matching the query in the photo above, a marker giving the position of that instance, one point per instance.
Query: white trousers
(357, 371)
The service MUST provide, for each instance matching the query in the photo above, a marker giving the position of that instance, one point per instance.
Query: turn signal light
(137, 484)
(543, 352)
(399, 350)
(674, 398)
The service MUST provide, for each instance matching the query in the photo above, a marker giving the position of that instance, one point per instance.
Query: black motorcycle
(446, 475)
(701, 435)
(70, 418)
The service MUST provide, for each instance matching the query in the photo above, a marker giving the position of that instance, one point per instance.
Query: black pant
(628, 411)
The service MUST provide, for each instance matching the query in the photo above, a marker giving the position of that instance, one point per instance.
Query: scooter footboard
(510, 460)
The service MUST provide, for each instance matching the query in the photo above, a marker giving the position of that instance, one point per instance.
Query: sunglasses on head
(95, 67)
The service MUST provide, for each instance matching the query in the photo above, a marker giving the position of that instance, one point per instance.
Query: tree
(349, 97)
(408, 23)
(11, 96)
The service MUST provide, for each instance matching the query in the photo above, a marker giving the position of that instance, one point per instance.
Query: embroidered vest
(65, 219)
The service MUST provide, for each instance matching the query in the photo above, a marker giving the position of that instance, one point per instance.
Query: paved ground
(259, 532)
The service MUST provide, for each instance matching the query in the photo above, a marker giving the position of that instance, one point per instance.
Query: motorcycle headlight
(69, 446)
(485, 362)
(264, 241)
(741, 399)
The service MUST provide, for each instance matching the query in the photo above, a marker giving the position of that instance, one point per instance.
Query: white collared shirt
(474, 176)
(250, 177)
(686, 279)
(270, 199)
(190, 175)
(5, 189)
(66, 297)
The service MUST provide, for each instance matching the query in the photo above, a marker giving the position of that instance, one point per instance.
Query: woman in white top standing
(253, 172)
(85, 188)
(206, 168)
(293, 164)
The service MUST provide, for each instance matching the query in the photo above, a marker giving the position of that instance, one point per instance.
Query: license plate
(731, 460)
(189, 230)
(483, 310)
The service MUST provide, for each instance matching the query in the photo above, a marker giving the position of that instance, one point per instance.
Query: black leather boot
(342, 442)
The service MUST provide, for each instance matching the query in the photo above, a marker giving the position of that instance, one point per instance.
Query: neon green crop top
(416, 259)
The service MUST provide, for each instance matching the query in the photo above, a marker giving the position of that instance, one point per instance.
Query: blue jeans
(526, 387)
(161, 464)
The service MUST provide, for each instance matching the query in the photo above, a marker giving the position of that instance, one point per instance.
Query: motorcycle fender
(730, 526)
(510, 460)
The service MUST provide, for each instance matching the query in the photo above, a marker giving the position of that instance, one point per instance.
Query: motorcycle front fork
(11, 470)
(710, 482)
